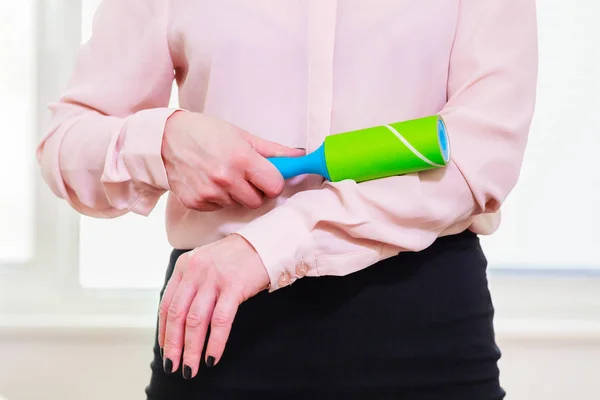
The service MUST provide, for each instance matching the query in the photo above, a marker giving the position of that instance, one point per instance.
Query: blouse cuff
(284, 242)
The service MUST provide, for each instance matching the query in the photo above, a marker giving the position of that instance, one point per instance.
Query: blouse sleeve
(102, 151)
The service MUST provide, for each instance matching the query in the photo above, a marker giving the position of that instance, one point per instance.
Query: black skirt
(415, 326)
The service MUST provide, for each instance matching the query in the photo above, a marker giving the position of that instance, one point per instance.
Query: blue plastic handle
(313, 163)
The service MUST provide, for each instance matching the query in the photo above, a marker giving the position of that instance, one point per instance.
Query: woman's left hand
(206, 288)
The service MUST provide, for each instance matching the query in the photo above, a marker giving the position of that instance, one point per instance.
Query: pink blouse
(294, 72)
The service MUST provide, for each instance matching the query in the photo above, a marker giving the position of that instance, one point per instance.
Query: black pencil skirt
(418, 326)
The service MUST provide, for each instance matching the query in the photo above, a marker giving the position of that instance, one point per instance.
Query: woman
(302, 288)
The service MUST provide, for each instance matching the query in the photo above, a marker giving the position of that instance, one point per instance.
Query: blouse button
(302, 270)
(284, 280)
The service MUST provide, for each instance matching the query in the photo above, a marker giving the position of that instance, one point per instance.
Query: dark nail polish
(187, 372)
(162, 352)
(210, 362)
(168, 366)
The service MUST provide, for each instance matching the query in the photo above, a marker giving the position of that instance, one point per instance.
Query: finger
(222, 199)
(264, 176)
(213, 197)
(233, 189)
(246, 194)
(266, 148)
(163, 309)
(175, 326)
(192, 203)
(220, 327)
(208, 207)
(196, 325)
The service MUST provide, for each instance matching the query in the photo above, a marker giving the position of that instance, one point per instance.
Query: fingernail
(168, 366)
(162, 352)
(187, 372)
(210, 362)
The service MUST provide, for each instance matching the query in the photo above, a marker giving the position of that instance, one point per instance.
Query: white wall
(75, 366)
(532, 370)
(115, 366)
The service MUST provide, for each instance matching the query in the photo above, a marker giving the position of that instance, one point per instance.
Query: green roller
(373, 153)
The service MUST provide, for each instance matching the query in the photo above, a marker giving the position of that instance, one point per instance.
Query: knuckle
(163, 310)
(187, 201)
(239, 159)
(251, 198)
(219, 199)
(181, 267)
(273, 188)
(195, 320)
(199, 204)
(204, 199)
(221, 318)
(200, 259)
(226, 201)
(208, 207)
(255, 203)
(175, 313)
(222, 177)
(208, 195)
(201, 199)
(193, 202)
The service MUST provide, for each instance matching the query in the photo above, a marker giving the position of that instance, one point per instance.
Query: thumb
(267, 149)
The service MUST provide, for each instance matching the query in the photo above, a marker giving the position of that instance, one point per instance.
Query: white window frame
(44, 295)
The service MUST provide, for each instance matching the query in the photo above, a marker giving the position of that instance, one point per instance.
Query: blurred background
(78, 296)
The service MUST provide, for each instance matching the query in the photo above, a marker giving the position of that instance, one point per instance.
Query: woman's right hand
(211, 164)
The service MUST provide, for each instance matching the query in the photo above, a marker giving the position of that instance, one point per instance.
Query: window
(17, 106)
(551, 219)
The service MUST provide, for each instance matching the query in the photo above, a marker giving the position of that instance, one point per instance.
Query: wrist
(170, 126)
(254, 258)
(142, 146)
